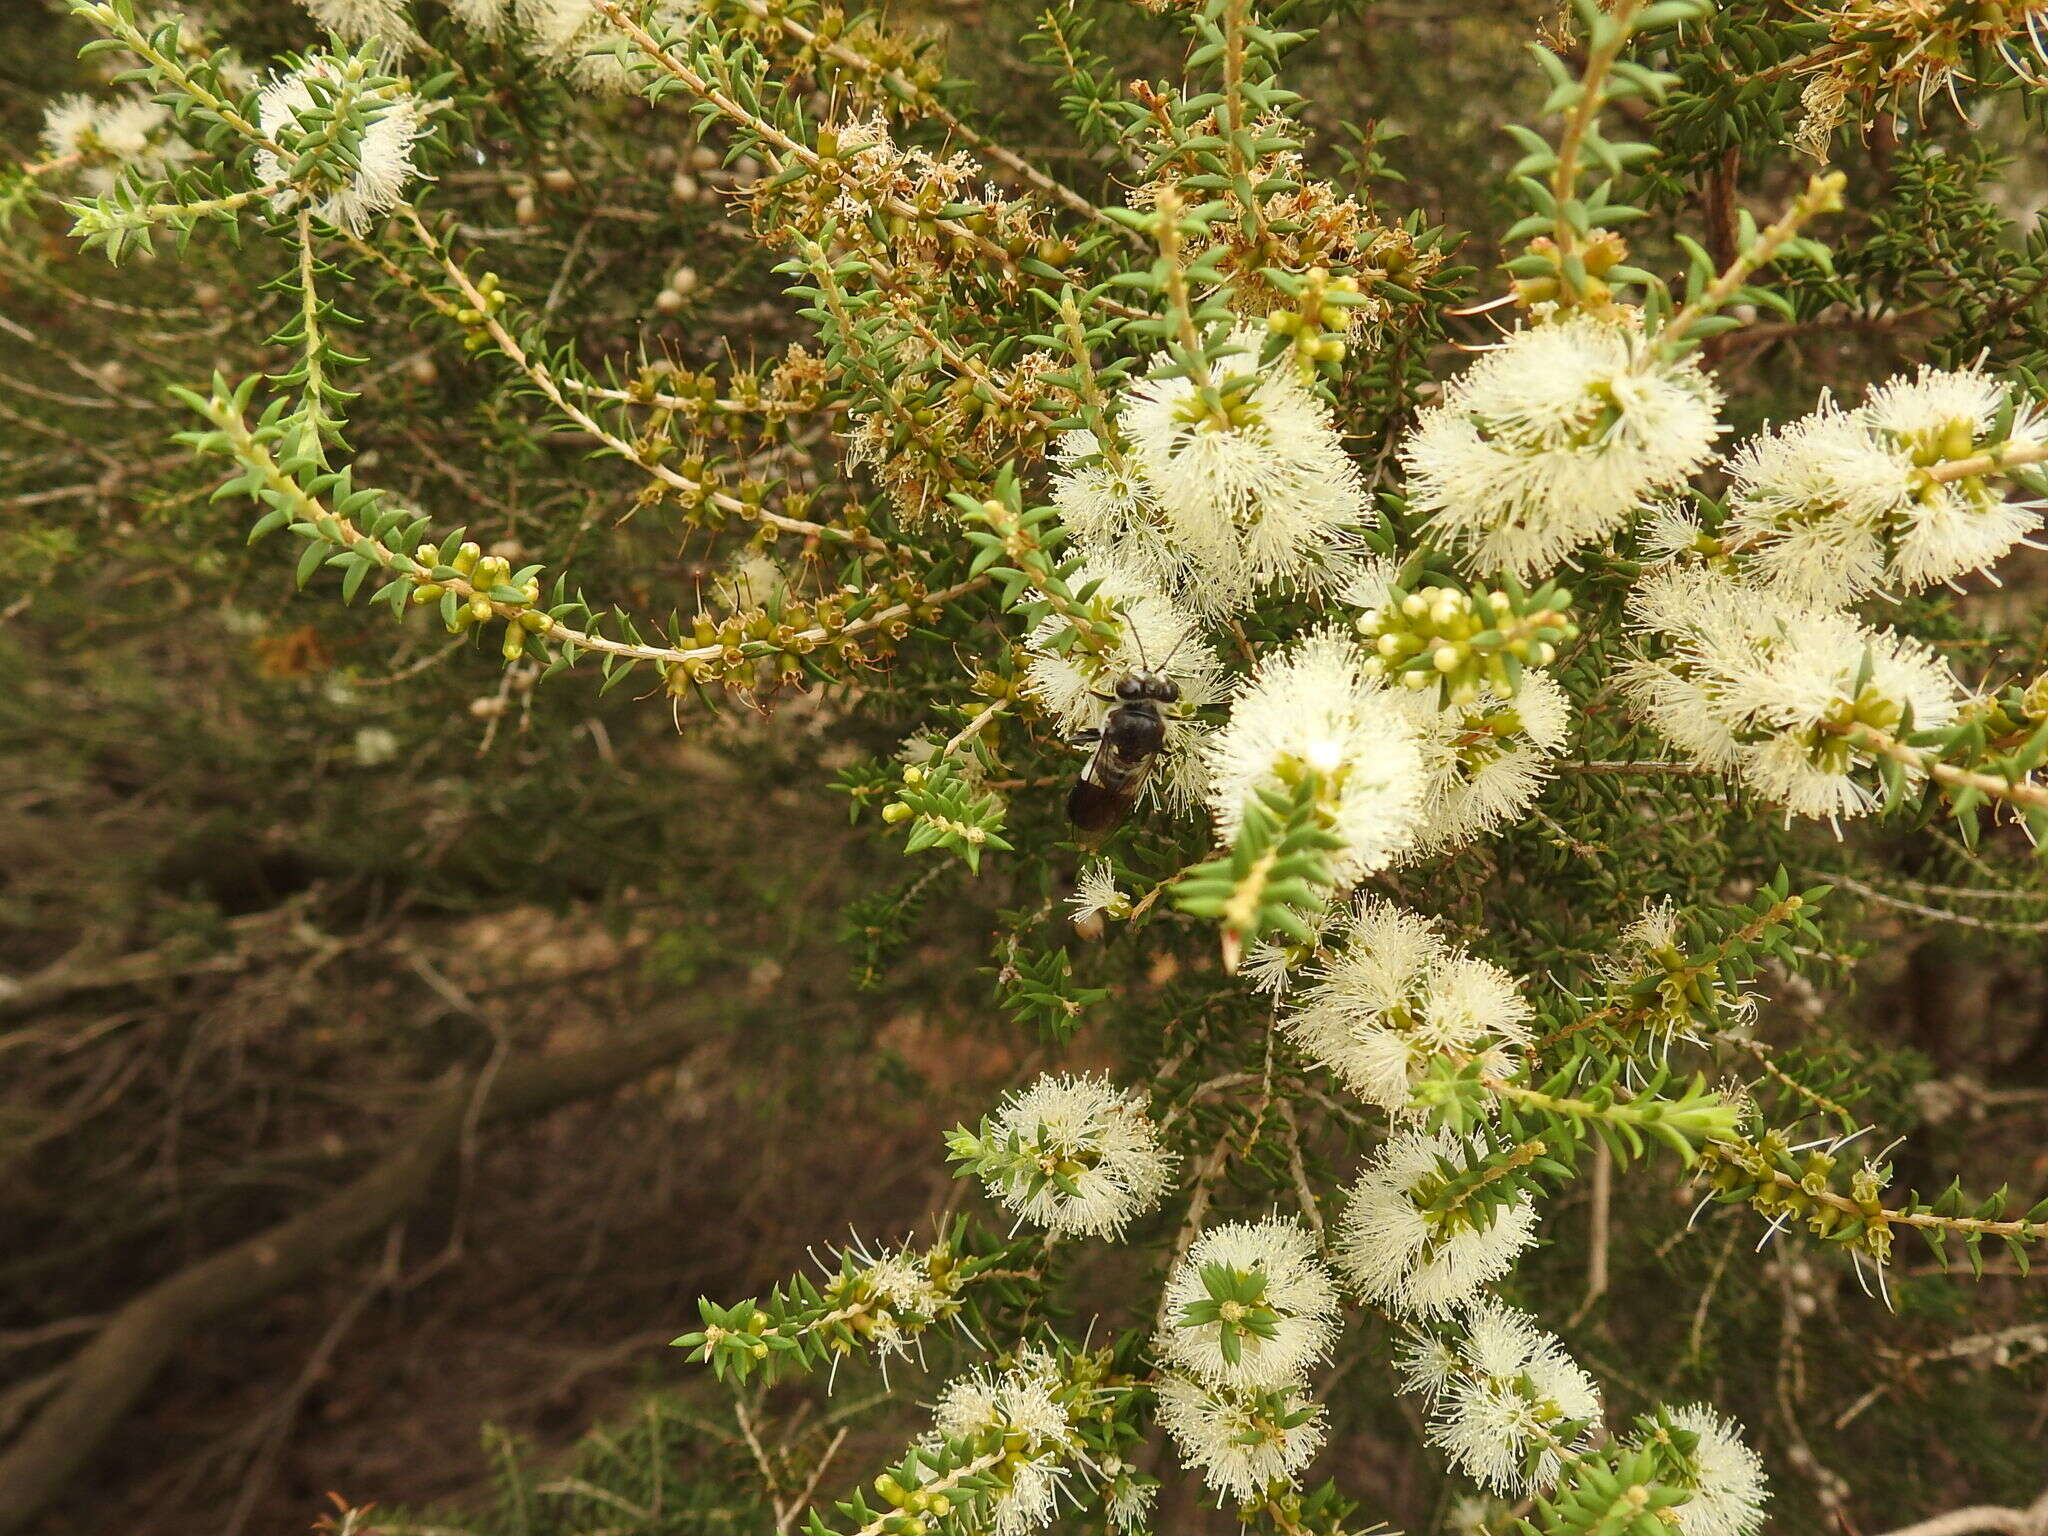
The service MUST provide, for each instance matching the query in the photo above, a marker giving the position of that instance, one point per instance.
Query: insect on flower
(1127, 746)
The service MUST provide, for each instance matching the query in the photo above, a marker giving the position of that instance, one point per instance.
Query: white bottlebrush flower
(375, 745)
(1477, 1514)
(1096, 894)
(357, 21)
(1019, 1406)
(1154, 634)
(1107, 509)
(1313, 709)
(1076, 1155)
(346, 196)
(1242, 1443)
(1655, 927)
(67, 126)
(1728, 1485)
(103, 139)
(1754, 683)
(1672, 531)
(1953, 526)
(1403, 1255)
(1128, 1502)
(1487, 759)
(1248, 1306)
(1512, 1390)
(1654, 933)
(1555, 440)
(1427, 1361)
(896, 1293)
(1837, 504)
(1396, 997)
(576, 39)
(1811, 504)
(1264, 498)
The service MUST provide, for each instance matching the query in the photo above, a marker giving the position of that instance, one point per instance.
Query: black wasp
(1130, 741)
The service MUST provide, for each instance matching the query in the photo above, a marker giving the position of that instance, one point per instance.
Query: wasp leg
(1084, 738)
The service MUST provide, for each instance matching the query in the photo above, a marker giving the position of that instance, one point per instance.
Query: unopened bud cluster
(1465, 642)
(473, 320)
(473, 587)
(915, 1508)
(1321, 315)
(766, 647)
(1587, 286)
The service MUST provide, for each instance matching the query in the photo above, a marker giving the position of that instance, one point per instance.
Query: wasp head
(1148, 685)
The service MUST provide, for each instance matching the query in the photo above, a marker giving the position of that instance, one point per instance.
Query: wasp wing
(1107, 789)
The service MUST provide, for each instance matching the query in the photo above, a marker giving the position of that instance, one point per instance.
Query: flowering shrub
(1279, 666)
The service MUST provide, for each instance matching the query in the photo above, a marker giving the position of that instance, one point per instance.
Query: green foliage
(1037, 990)
(945, 810)
(1276, 872)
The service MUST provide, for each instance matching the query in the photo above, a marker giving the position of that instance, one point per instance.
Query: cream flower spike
(1267, 498)
(1555, 440)
(1312, 707)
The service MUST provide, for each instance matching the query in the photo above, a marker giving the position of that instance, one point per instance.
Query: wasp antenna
(1137, 639)
(1185, 636)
